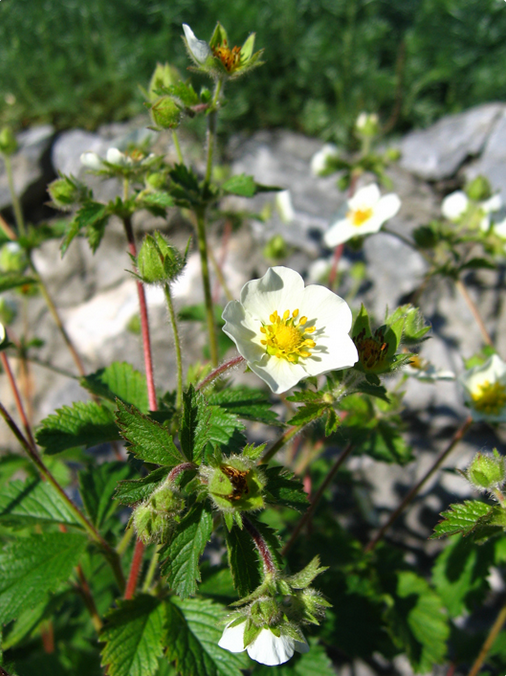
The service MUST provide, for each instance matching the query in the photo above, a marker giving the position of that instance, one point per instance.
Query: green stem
(489, 642)
(211, 130)
(474, 311)
(125, 541)
(175, 138)
(16, 205)
(34, 456)
(151, 572)
(219, 371)
(177, 344)
(219, 274)
(283, 439)
(202, 243)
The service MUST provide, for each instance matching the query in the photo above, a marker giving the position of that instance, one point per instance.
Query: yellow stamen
(287, 339)
(489, 398)
(230, 58)
(359, 216)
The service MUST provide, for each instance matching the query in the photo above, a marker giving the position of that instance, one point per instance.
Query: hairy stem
(287, 435)
(148, 580)
(89, 601)
(16, 205)
(202, 243)
(458, 436)
(17, 399)
(211, 130)
(220, 370)
(262, 547)
(489, 642)
(177, 345)
(135, 569)
(474, 311)
(177, 146)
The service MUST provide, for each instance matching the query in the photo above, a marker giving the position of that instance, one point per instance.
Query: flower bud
(13, 258)
(276, 248)
(367, 124)
(236, 485)
(154, 519)
(8, 143)
(156, 180)
(479, 189)
(159, 262)
(486, 472)
(163, 77)
(165, 113)
(64, 192)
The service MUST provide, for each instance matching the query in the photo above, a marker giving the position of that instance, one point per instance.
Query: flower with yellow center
(366, 212)
(485, 390)
(287, 332)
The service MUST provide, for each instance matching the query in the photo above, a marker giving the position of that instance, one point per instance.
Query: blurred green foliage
(79, 62)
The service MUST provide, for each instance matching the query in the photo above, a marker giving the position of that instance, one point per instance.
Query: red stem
(261, 545)
(338, 252)
(134, 569)
(218, 371)
(17, 399)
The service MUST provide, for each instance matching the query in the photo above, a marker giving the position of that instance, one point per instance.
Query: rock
(492, 161)
(31, 172)
(438, 152)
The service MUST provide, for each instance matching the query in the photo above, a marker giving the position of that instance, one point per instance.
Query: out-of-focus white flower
(267, 648)
(319, 161)
(500, 228)
(284, 206)
(115, 158)
(367, 211)
(367, 124)
(199, 49)
(92, 161)
(485, 390)
(455, 205)
(426, 372)
(287, 332)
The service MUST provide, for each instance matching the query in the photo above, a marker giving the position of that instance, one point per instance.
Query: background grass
(79, 62)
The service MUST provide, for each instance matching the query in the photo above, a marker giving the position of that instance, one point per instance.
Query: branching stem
(220, 370)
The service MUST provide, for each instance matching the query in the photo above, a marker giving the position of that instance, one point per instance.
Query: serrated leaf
(185, 92)
(243, 561)
(11, 280)
(332, 423)
(119, 380)
(87, 216)
(149, 441)
(247, 403)
(133, 637)
(242, 185)
(461, 518)
(226, 431)
(138, 490)
(85, 423)
(460, 574)
(283, 489)
(180, 557)
(194, 627)
(194, 432)
(308, 413)
(305, 395)
(314, 663)
(97, 486)
(34, 566)
(418, 622)
(34, 501)
(157, 199)
(305, 577)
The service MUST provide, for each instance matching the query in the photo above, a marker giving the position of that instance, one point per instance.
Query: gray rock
(29, 171)
(439, 151)
(492, 161)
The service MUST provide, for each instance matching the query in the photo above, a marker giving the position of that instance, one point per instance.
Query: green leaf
(185, 93)
(180, 557)
(283, 489)
(332, 423)
(194, 627)
(130, 492)
(133, 637)
(478, 264)
(97, 485)
(226, 431)
(418, 623)
(194, 432)
(33, 501)
(85, 423)
(460, 574)
(314, 663)
(149, 441)
(305, 577)
(242, 185)
(308, 413)
(243, 561)
(247, 403)
(461, 518)
(11, 280)
(157, 199)
(119, 381)
(33, 566)
(88, 215)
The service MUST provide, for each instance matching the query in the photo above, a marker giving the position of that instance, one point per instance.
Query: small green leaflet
(283, 489)
(97, 486)
(34, 501)
(133, 637)
(33, 566)
(246, 186)
(461, 518)
(194, 432)
(130, 492)
(247, 403)
(119, 381)
(243, 561)
(308, 413)
(179, 559)
(11, 280)
(149, 441)
(91, 214)
(157, 199)
(85, 423)
(194, 627)
(313, 663)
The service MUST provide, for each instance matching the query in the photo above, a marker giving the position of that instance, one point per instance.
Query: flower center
(286, 338)
(372, 350)
(230, 58)
(490, 398)
(359, 216)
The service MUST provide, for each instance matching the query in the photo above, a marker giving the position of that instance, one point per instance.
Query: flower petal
(388, 206)
(232, 638)
(270, 649)
(454, 205)
(199, 49)
(279, 374)
(115, 156)
(279, 289)
(339, 232)
(366, 197)
(301, 646)
(243, 330)
(91, 160)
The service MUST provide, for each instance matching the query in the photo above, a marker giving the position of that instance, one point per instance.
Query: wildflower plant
(209, 540)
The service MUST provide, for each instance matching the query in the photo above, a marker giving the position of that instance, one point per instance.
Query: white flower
(287, 332)
(500, 228)
(367, 124)
(199, 49)
(319, 161)
(92, 161)
(284, 206)
(267, 648)
(485, 390)
(116, 158)
(455, 205)
(367, 211)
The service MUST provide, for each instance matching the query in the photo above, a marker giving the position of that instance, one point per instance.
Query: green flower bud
(266, 611)
(65, 192)
(159, 262)
(393, 154)
(8, 143)
(154, 519)
(163, 77)
(276, 248)
(236, 485)
(367, 125)
(486, 472)
(13, 258)
(165, 113)
(156, 180)
(479, 189)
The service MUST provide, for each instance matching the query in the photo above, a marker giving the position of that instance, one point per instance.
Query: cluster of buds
(487, 474)
(268, 623)
(154, 519)
(67, 191)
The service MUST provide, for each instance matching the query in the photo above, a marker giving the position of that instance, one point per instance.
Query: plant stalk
(283, 439)
(219, 371)
(177, 345)
(262, 547)
(489, 642)
(211, 327)
(474, 311)
(16, 205)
